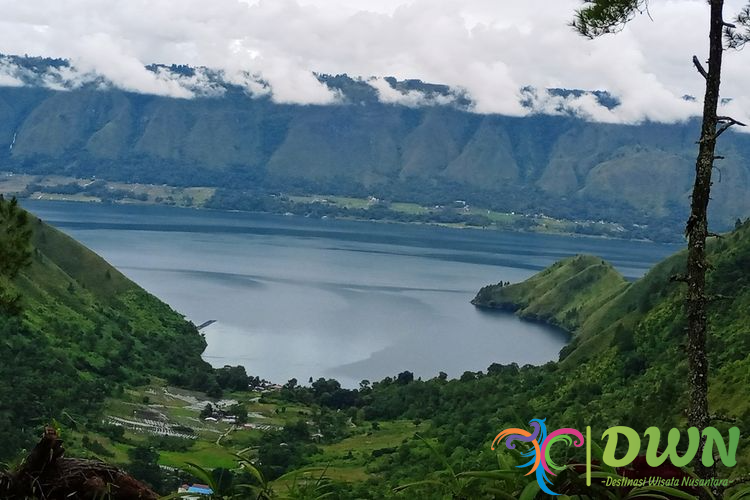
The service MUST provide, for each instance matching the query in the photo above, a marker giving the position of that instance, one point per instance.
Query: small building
(196, 489)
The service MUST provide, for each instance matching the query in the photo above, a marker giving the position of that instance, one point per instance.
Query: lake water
(297, 297)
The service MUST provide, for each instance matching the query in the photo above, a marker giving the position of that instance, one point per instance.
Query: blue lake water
(299, 297)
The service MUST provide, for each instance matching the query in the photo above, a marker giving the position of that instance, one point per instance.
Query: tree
(232, 378)
(15, 252)
(144, 465)
(15, 236)
(599, 17)
(405, 377)
(207, 411)
(240, 413)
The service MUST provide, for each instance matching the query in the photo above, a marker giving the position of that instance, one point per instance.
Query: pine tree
(599, 17)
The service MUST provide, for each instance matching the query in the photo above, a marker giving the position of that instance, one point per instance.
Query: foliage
(144, 465)
(83, 321)
(15, 236)
(15, 252)
(600, 17)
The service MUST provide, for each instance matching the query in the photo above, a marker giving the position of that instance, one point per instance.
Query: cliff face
(561, 165)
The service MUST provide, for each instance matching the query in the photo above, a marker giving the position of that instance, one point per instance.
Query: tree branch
(728, 122)
(717, 298)
(699, 67)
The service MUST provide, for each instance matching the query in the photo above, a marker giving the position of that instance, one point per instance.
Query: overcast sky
(490, 48)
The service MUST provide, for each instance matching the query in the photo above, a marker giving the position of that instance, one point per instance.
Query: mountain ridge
(559, 165)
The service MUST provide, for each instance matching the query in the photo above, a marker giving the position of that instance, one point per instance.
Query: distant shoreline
(458, 216)
(355, 219)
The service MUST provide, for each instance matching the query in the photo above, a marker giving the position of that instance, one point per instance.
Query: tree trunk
(697, 232)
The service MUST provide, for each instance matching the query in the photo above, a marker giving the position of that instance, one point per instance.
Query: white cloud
(10, 74)
(411, 98)
(488, 48)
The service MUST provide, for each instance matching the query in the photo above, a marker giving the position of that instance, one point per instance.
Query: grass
(156, 193)
(389, 434)
(340, 201)
(496, 217)
(409, 208)
(341, 465)
(346, 460)
(203, 453)
(566, 294)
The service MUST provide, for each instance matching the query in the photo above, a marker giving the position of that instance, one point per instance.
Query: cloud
(489, 49)
(10, 74)
(411, 98)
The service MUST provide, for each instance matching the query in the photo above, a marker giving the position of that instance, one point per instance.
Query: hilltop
(564, 295)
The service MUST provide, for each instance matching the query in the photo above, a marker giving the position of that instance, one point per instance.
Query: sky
(490, 49)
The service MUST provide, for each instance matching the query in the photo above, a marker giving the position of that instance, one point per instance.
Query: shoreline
(568, 234)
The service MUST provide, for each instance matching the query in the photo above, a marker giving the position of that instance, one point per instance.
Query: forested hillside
(627, 339)
(73, 330)
(560, 165)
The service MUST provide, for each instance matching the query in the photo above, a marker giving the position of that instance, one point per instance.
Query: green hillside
(560, 165)
(634, 332)
(566, 294)
(625, 365)
(85, 331)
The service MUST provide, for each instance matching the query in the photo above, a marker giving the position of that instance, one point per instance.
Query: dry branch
(46, 474)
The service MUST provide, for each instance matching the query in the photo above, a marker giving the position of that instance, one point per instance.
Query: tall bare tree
(599, 17)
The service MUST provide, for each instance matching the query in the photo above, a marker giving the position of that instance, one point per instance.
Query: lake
(300, 297)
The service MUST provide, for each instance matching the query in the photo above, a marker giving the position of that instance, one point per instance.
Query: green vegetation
(61, 188)
(430, 435)
(567, 294)
(75, 330)
(456, 214)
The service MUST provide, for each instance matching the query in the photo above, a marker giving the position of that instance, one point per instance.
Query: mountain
(432, 154)
(85, 332)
